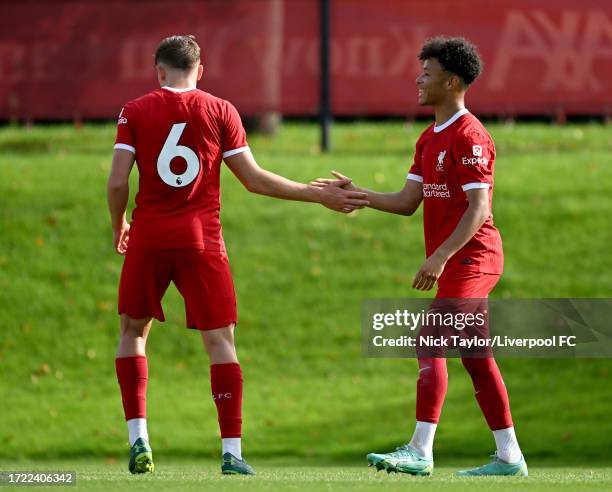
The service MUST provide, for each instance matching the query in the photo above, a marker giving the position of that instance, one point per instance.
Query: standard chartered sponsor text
(436, 190)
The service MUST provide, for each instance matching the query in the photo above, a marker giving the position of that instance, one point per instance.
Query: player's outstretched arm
(258, 180)
(403, 202)
(118, 193)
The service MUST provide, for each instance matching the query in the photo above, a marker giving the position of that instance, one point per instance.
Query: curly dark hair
(457, 55)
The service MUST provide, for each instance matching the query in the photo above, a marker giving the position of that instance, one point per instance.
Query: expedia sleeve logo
(476, 157)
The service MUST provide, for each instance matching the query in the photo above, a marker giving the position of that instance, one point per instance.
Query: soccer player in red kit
(178, 136)
(452, 174)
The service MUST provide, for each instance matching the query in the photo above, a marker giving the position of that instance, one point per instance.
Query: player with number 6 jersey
(181, 137)
(178, 136)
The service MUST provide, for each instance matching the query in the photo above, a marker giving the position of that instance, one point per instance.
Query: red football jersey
(449, 160)
(179, 137)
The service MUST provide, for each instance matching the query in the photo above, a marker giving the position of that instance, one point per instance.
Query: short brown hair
(180, 52)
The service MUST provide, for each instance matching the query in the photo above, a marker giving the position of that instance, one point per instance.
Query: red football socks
(226, 385)
(488, 384)
(490, 391)
(431, 389)
(132, 374)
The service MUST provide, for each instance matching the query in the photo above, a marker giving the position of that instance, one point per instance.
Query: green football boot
(141, 457)
(233, 466)
(404, 459)
(497, 467)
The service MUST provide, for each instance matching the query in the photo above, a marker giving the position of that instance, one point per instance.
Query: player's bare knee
(219, 344)
(219, 337)
(134, 328)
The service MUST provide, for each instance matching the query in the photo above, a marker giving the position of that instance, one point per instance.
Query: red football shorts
(202, 277)
(460, 284)
(460, 293)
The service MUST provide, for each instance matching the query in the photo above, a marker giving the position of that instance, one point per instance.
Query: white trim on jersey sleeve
(239, 150)
(415, 177)
(475, 186)
(125, 147)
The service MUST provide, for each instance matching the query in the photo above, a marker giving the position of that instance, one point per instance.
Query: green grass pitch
(279, 476)
(312, 402)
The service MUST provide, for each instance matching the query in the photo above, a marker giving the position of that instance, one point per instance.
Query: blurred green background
(301, 272)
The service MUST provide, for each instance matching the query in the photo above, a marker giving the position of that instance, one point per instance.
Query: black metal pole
(325, 99)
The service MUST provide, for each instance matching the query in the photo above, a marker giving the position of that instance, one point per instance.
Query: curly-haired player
(452, 174)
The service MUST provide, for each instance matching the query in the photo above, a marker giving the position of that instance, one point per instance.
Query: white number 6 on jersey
(169, 151)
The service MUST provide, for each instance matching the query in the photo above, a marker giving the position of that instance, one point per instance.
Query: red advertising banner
(84, 59)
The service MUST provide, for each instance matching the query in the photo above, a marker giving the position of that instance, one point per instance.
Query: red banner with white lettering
(69, 59)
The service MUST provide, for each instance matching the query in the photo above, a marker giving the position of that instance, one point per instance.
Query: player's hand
(347, 183)
(429, 273)
(121, 237)
(334, 196)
